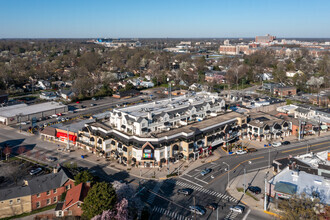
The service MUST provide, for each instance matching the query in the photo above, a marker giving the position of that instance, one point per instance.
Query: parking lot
(14, 172)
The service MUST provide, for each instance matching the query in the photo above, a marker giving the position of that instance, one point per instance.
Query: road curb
(272, 213)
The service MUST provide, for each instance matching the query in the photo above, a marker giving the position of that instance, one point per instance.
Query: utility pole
(217, 213)
(319, 126)
(265, 199)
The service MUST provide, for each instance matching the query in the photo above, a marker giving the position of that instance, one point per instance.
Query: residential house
(67, 94)
(48, 96)
(266, 76)
(43, 84)
(195, 87)
(215, 76)
(74, 198)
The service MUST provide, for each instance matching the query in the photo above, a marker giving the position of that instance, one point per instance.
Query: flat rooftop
(23, 109)
(201, 125)
(166, 105)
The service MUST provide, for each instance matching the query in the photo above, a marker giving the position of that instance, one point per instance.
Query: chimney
(55, 170)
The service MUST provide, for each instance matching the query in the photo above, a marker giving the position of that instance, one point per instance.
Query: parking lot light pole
(228, 171)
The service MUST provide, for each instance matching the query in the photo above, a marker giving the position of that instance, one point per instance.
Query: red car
(77, 102)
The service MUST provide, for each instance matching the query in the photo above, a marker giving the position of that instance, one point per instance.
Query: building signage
(147, 155)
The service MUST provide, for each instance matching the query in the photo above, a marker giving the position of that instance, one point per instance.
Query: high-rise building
(265, 39)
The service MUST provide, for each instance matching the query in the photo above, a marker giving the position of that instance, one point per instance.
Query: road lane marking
(256, 158)
(190, 181)
(201, 180)
(246, 215)
(295, 149)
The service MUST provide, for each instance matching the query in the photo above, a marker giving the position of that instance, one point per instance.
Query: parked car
(77, 102)
(94, 99)
(241, 152)
(51, 159)
(286, 142)
(237, 208)
(185, 191)
(35, 171)
(93, 104)
(255, 189)
(199, 210)
(212, 206)
(54, 116)
(206, 171)
(276, 144)
(251, 150)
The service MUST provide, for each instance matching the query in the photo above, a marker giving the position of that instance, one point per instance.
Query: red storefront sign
(64, 136)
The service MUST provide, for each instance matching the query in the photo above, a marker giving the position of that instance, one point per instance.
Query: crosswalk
(203, 190)
(152, 196)
(231, 215)
(169, 214)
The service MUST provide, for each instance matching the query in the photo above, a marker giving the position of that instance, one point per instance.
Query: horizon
(170, 19)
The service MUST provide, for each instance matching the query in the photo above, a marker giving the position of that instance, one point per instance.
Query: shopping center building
(154, 133)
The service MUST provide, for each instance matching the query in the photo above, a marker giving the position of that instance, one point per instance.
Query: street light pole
(244, 180)
(268, 156)
(217, 213)
(265, 199)
(228, 172)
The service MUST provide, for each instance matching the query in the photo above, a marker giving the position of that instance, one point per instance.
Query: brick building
(285, 90)
(47, 189)
(265, 39)
(73, 200)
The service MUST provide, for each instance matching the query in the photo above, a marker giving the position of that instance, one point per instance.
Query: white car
(276, 144)
(241, 152)
(35, 171)
(237, 208)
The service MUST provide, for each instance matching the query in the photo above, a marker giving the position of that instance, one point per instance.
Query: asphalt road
(162, 196)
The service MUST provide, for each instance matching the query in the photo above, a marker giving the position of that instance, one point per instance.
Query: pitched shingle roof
(49, 181)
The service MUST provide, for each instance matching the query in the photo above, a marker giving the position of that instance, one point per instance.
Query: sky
(164, 18)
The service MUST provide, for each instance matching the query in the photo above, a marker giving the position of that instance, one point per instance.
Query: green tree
(83, 177)
(100, 197)
(299, 207)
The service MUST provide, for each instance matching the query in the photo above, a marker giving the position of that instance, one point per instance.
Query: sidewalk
(146, 173)
(256, 178)
(293, 139)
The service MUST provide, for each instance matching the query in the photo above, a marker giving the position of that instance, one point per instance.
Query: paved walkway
(256, 178)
